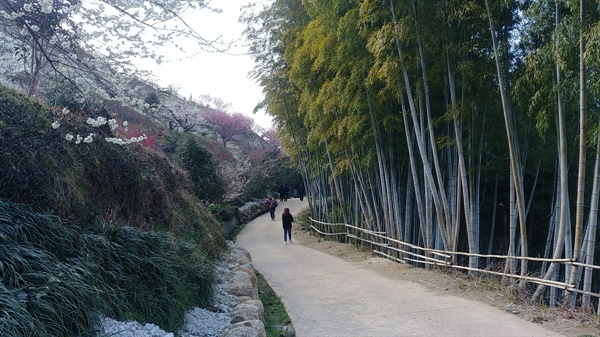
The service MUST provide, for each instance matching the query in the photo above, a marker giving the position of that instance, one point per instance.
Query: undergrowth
(57, 280)
(277, 320)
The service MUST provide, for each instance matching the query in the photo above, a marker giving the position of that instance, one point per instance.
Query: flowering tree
(226, 125)
(248, 165)
(270, 135)
(179, 114)
(93, 40)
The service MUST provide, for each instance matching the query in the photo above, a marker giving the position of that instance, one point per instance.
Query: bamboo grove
(460, 125)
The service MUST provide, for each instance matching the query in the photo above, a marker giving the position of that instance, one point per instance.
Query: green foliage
(94, 182)
(64, 94)
(56, 280)
(26, 156)
(302, 219)
(276, 317)
(161, 277)
(152, 99)
(203, 171)
(223, 212)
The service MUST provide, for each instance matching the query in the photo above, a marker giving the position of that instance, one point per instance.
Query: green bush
(204, 173)
(223, 212)
(56, 280)
(30, 150)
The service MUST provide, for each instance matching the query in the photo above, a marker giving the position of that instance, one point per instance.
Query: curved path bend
(326, 296)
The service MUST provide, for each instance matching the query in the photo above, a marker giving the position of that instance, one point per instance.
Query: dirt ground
(489, 291)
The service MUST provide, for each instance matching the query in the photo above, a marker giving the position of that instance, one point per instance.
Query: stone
(250, 274)
(252, 328)
(242, 289)
(249, 310)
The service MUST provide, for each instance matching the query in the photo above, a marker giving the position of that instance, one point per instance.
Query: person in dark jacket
(272, 206)
(301, 192)
(286, 192)
(287, 219)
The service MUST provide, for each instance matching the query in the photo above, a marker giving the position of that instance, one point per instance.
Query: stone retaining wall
(247, 214)
(238, 294)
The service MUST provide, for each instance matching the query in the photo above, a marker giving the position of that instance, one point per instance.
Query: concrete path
(328, 297)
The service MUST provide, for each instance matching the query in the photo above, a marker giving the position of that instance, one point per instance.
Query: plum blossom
(125, 141)
(69, 137)
(47, 6)
(55, 125)
(98, 122)
(113, 124)
(89, 138)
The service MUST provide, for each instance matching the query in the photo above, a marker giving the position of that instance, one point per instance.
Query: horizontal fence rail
(444, 258)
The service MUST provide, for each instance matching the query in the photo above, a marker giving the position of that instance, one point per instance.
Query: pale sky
(216, 74)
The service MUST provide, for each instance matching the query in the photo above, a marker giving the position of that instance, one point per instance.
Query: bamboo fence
(445, 258)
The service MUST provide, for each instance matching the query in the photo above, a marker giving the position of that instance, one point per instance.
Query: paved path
(326, 296)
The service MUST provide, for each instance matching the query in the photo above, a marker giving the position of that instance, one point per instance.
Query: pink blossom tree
(227, 126)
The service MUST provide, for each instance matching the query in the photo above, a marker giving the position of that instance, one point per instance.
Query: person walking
(286, 192)
(287, 219)
(301, 192)
(272, 206)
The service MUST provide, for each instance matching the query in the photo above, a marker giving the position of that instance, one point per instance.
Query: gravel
(197, 323)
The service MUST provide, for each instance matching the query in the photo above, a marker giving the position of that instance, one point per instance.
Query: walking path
(328, 297)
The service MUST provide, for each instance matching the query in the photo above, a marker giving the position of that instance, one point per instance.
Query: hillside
(92, 227)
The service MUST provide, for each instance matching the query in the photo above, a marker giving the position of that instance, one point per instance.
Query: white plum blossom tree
(93, 41)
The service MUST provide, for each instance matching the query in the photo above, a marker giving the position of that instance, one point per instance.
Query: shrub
(203, 171)
(223, 212)
(30, 149)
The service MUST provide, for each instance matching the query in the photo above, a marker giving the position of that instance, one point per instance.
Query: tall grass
(57, 280)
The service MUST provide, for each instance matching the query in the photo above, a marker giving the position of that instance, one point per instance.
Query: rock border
(237, 294)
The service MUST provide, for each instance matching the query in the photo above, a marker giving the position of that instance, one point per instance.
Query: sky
(216, 74)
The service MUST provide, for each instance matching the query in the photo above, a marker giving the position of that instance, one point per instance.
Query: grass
(56, 280)
(277, 320)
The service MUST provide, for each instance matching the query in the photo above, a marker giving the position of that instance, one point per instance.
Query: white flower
(65, 111)
(69, 137)
(88, 139)
(55, 125)
(96, 122)
(79, 138)
(113, 124)
(47, 6)
(125, 123)
(114, 140)
(35, 28)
